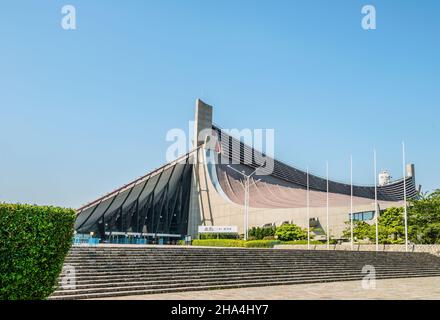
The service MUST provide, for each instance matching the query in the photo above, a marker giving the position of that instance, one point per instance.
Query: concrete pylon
(199, 192)
(410, 170)
(202, 122)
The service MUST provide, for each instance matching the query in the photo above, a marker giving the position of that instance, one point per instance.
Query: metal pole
(245, 210)
(351, 203)
(247, 207)
(404, 197)
(375, 202)
(328, 228)
(308, 210)
(246, 197)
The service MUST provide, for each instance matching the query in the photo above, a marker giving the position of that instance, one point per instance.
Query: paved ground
(412, 288)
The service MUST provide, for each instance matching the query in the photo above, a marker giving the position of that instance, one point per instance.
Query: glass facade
(153, 210)
(362, 216)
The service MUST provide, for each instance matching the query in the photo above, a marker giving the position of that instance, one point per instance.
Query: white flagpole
(328, 228)
(247, 207)
(351, 202)
(404, 197)
(375, 202)
(245, 210)
(308, 210)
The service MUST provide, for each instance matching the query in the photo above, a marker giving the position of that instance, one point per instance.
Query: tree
(258, 233)
(423, 223)
(361, 230)
(424, 219)
(390, 225)
(290, 232)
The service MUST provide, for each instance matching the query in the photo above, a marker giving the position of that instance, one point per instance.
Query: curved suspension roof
(235, 151)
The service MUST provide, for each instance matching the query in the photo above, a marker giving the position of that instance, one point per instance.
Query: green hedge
(34, 240)
(218, 243)
(261, 243)
(304, 242)
(236, 243)
(211, 236)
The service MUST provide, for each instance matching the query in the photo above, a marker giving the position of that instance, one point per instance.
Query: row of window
(362, 216)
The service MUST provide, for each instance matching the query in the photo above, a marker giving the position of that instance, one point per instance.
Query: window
(362, 216)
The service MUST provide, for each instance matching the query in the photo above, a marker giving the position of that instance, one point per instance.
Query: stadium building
(208, 187)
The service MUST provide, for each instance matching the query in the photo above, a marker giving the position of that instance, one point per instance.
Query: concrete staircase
(109, 272)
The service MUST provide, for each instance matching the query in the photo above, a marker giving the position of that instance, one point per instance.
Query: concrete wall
(209, 208)
(213, 209)
(428, 248)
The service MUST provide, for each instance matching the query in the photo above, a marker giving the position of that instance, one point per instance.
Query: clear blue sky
(85, 111)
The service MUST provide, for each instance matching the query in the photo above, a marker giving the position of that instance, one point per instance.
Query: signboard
(218, 229)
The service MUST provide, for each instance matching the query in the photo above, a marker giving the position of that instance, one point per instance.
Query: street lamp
(246, 197)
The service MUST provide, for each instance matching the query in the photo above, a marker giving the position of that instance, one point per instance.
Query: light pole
(327, 211)
(404, 197)
(351, 202)
(375, 202)
(246, 197)
(308, 210)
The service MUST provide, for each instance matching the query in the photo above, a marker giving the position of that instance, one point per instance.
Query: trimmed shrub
(290, 232)
(303, 242)
(236, 243)
(34, 241)
(209, 236)
(261, 243)
(219, 243)
(260, 233)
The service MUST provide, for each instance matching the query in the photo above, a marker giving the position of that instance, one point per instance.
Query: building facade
(207, 187)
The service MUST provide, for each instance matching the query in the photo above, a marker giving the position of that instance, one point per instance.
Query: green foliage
(258, 233)
(424, 219)
(361, 231)
(236, 243)
(390, 226)
(219, 243)
(34, 241)
(423, 223)
(261, 243)
(208, 236)
(303, 242)
(290, 232)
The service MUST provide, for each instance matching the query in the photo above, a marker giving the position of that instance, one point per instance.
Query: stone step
(95, 275)
(204, 269)
(179, 278)
(106, 272)
(262, 265)
(220, 268)
(216, 256)
(198, 287)
(218, 259)
(248, 252)
(219, 251)
(137, 273)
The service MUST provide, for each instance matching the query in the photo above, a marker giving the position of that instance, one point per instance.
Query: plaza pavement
(400, 289)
